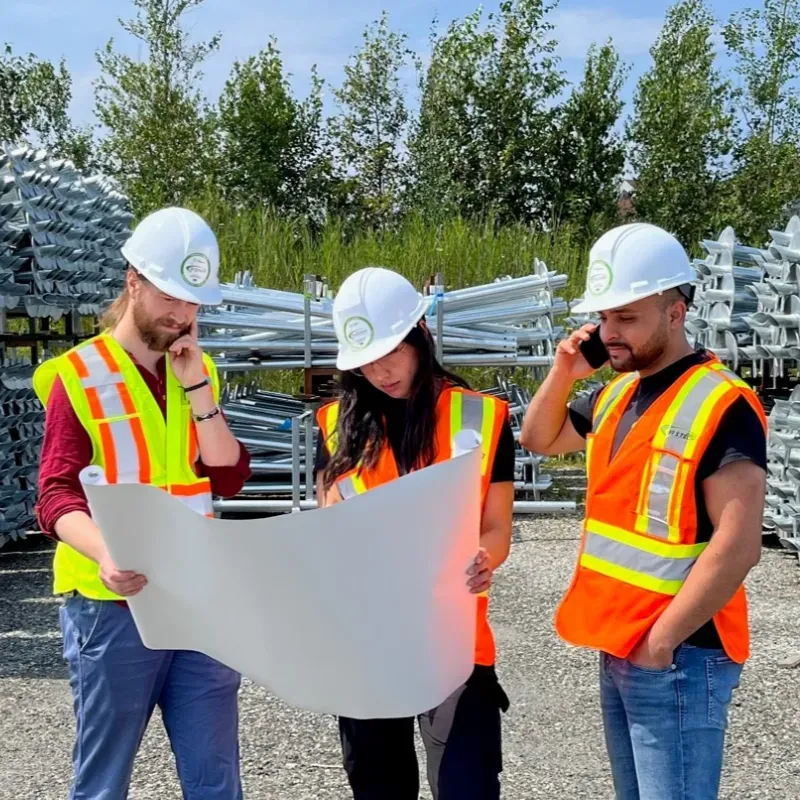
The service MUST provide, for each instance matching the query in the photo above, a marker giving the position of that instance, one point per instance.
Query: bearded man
(676, 461)
(140, 401)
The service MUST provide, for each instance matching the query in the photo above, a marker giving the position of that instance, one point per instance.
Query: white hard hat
(373, 312)
(176, 251)
(631, 262)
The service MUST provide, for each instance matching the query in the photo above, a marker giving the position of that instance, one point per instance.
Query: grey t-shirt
(739, 437)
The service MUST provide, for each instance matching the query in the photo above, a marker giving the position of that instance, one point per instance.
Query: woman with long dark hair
(397, 412)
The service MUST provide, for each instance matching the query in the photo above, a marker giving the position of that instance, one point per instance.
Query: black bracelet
(188, 389)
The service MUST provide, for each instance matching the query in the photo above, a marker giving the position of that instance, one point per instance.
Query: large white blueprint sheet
(361, 609)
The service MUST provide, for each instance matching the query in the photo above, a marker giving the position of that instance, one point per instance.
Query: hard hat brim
(348, 359)
(351, 360)
(592, 305)
(202, 296)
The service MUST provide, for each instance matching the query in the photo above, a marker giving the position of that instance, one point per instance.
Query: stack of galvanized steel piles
(747, 310)
(529, 482)
(739, 290)
(60, 235)
(508, 323)
(782, 512)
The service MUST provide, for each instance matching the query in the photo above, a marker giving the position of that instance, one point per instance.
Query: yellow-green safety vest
(131, 440)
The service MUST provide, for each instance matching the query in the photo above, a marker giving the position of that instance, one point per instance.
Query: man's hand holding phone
(581, 354)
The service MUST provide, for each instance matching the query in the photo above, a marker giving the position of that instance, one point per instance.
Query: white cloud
(82, 104)
(578, 26)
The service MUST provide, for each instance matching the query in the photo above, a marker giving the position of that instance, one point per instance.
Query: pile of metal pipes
(21, 431)
(747, 312)
(60, 236)
(782, 511)
(60, 239)
(529, 481)
(507, 323)
(747, 305)
(282, 436)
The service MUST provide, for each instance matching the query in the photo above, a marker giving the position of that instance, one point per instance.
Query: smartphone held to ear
(593, 350)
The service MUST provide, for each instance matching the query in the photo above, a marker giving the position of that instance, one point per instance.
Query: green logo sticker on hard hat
(358, 332)
(599, 278)
(196, 269)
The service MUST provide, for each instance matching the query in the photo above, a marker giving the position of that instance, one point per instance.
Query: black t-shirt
(395, 413)
(740, 437)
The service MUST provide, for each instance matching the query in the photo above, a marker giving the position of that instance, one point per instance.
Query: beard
(148, 328)
(647, 354)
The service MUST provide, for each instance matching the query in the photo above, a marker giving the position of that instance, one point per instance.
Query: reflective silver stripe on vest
(99, 373)
(675, 433)
(110, 400)
(614, 391)
(658, 567)
(472, 413)
(477, 414)
(125, 451)
(347, 488)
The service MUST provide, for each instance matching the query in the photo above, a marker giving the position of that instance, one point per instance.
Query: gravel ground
(553, 738)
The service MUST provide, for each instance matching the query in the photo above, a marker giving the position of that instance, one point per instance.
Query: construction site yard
(553, 741)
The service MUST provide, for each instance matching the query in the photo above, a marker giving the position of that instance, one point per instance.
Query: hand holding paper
(122, 582)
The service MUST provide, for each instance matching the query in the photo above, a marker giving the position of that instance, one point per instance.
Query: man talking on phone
(676, 462)
(140, 401)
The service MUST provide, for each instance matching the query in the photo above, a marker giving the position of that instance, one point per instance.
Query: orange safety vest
(131, 440)
(639, 539)
(457, 409)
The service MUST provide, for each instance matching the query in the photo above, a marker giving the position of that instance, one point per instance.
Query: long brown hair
(361, 426)
(114, 313)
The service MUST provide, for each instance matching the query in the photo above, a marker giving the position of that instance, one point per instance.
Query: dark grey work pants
(462, 740)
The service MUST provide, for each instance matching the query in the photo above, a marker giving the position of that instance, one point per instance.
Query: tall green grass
(278, 251)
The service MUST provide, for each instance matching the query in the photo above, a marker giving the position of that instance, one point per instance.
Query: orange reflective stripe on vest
(639, 542)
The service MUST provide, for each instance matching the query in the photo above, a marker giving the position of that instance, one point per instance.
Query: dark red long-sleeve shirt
(67, 449)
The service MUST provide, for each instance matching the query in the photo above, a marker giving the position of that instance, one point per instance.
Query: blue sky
(315, 31)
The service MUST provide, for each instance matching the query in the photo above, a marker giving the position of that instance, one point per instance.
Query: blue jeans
(665, 728)
(116, 684)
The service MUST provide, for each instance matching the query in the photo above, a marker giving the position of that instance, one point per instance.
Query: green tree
(681, 129)
(34, 101)
(369, 132)
(80, 147)
(590, 153)
(766, 45)
(485, 140)
(161, 134)
(273, 147)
